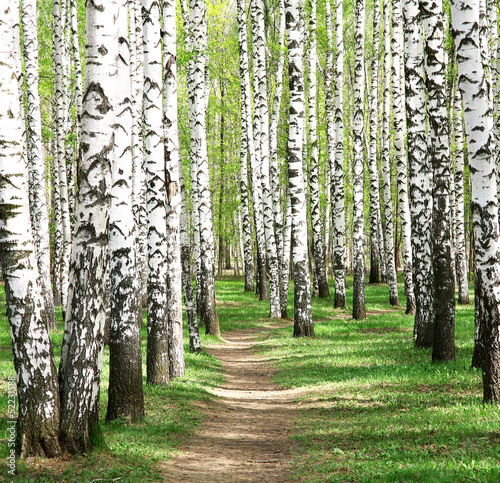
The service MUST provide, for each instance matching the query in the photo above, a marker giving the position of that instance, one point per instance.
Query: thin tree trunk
(158, 371)
(285, 262)
(317, 229)
(358, 309)
(187, 280)
(88, 302)
(303, 325)
(261, 115)
(372, 160)
(37, 431)
(244, 151)
(199, 158)
(173, 191)
(338, 203)
(386, 169)
(36, 160)
(460, 251)
(139, 179)
(399, 145)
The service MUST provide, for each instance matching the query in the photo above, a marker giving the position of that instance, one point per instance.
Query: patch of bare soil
(244, 437)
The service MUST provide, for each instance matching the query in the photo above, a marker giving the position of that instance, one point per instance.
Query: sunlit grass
(374, 408)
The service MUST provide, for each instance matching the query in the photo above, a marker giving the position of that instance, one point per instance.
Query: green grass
(374, 407)
(377, 409)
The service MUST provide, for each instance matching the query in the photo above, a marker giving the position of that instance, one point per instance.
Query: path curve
(244, 437)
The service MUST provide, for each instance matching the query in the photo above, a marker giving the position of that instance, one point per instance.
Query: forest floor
(245, 433)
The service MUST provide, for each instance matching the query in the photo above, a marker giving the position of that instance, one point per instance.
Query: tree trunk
(261, 116)
(303, 325)
(88, 302)
(478, 128)
(187, 280)
(125, 393)
(386, 168)
(401, 160)
(444, 282)
(419, 175)
(372, 160)
(37, 431)
(316, 224)
(358, 309)
(173, 192)
(36, 160)
(199, 158)
(338, 202)
(158, 371)
(460, 249)
(139, 179)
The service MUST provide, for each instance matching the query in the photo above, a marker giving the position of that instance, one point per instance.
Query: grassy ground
(376, 408)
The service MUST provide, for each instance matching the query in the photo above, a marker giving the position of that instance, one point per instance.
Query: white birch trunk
(37, 431)
(59, 13)
(460, 248)
(478, 128)
(199, 159)
(125, 393)
(444, 282)
(386, 168)
(245, 211)
(261, 115)
(173, 191)
(372, 160)
(157, 352)
(400, 150)
(358, 310)
(419, 175)
(316, 222)
(36, 160)
(303, 325)
(139, 172)
(285, 261)
(88, 302)
(338, 203)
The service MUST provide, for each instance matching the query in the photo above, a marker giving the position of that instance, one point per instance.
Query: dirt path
(245, 433)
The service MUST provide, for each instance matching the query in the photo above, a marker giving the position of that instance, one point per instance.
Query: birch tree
(316, 224)
(173, 192)
(398, 95)
(478, 129)
(60, 114)
(460, 250)
(199, 160)
(303, 325)
(358, 284)
(338, 201)
(36, 160)
(88, 302)
(37, 431)
(372, 160)
(444, 283)
(261, 120)
(274, 168)
(419, 175)
(244, 150)
(125, 393)
(157, 348)
(386, 169)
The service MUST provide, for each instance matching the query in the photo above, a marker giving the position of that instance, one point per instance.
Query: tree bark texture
(88, 300)
(37, 431)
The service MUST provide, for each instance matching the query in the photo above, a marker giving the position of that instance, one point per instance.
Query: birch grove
(236, 135)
